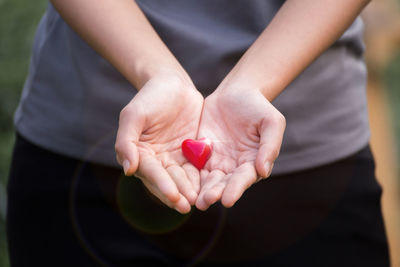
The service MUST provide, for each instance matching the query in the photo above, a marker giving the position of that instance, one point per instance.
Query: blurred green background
(18, 21)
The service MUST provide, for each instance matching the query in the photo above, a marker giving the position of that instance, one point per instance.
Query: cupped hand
(246, 131)
(152, 126)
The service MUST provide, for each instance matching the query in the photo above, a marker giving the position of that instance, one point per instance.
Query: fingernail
(268, 168)
(126, 165)
(192, 197)
(181, 211)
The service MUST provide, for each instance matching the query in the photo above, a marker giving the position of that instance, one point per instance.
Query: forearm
(119, 31)
(297, 35)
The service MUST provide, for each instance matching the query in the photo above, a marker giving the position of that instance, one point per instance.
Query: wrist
(167, 74)
(171, 82)
(235, 96)
(242, 80)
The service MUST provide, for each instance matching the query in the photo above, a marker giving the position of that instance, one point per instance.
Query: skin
(164, 113)
(246, 141)
(238, 117)
(246, 128)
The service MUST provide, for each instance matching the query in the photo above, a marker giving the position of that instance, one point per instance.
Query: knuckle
(118, 146)
(273, 154)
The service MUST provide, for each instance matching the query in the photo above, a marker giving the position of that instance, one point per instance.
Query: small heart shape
(197, 151)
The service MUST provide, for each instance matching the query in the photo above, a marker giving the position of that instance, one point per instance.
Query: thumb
(129, 130)
(271, 134)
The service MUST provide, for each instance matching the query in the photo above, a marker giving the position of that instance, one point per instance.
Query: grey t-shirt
(72, 96)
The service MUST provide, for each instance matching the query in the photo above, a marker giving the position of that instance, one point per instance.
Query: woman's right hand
(152, 127)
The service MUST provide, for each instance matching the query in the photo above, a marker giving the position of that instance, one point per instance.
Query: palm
(234, 125)
(154, 124)
(233, 143)
(166, 129)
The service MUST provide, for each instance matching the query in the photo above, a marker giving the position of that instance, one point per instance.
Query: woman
(153, 62)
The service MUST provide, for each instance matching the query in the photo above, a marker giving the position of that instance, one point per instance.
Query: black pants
(65, 212)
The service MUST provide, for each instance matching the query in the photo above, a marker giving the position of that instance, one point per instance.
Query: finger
(203, 177)
(271, 135)
(151, 170)
(209, 179)
(185, 187)
(212, 179)
(193, 175)
(182, 205)
(243, 177)
(129, 130)
(214, 193)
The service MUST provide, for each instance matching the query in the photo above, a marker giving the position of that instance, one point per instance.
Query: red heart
(197, 151)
